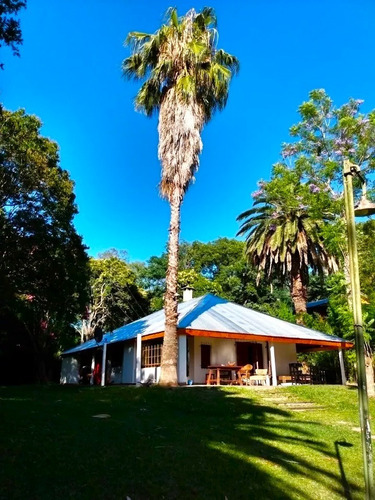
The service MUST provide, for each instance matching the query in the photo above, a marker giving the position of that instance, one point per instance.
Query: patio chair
(261, 377)
(244, 373)
(297, 374)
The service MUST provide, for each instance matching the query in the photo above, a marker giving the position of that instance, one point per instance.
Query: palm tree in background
(186, 79)
(288, 243)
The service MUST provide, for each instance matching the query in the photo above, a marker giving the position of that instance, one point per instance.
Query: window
(151, 353)
(205, 355)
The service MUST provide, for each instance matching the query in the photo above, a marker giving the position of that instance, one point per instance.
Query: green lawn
(189, 442)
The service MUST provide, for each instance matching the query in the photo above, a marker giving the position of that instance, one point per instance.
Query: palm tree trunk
(168, 372)
(299, 294)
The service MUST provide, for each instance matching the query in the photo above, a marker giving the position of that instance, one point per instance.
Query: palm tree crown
(286, 242)
(186, 79)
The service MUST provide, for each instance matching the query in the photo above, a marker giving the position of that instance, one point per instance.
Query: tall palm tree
(288, 243)
(186, 79)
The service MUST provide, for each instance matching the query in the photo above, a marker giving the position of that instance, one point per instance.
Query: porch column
(273, 364)
(182, 359)
(342, 367)
(104, 363)
(138, 356)
(92, 368)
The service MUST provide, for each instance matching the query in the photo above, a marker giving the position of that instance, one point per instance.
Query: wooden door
(243, 353)
(249, 352)
(257, 356)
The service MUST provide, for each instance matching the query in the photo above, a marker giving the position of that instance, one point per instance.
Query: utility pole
(351, 170)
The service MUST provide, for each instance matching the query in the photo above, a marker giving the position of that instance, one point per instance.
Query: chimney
(187, 294)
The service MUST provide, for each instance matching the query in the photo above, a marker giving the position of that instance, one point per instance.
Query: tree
(218, 267)
(115, 298)
(187, 79)
(43, 263)
(324, 137)
(10, 31)
(284, 236)
(201, 285)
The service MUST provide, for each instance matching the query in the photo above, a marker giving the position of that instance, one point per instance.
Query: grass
(183, 443)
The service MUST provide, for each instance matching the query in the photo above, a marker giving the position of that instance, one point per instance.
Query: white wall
(284, 354)
(69, 370)
(150, 374)
(224, 351)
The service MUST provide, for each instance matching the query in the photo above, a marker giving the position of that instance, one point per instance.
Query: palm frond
(136, 37)
(283, 241)
(174, 17)
(227, 60)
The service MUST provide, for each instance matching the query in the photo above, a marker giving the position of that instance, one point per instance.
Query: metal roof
(317, 303)
(213, 314)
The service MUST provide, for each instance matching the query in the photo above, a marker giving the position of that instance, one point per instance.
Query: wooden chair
(245, 372)
(260, 377)
(298, 376)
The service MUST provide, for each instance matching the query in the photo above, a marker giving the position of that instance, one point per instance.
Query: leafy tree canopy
(43, 265)
(115, 298)
(218, 267)
(10, 31)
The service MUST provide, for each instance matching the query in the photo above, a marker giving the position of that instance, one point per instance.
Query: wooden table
(282, 379)
(218, 369)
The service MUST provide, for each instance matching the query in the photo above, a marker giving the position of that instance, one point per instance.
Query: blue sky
(69, 74)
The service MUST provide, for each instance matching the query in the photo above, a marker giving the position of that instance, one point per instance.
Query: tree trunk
(299, 294)
(168, 371)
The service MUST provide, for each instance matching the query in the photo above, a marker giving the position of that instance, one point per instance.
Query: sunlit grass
(180, 443)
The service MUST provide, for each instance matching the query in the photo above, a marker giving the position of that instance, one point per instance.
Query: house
(318, 306)
(211, 330)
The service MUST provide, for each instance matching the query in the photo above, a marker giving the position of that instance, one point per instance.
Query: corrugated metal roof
(316, 303)
(213, 314)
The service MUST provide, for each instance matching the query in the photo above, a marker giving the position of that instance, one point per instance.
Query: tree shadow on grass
(262, 441)
(184, 443)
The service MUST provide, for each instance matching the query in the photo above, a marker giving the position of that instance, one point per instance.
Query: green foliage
(278, 308)
(283, 235)
(43, 270)
(306, 185)
(115, 298)
(201, 285)
(366, 245)
(217, 267)
(10, 31)
(211, 258)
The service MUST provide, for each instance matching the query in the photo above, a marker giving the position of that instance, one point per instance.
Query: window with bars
(151, 353)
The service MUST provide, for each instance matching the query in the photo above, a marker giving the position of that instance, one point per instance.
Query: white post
(182, 358)
(92, 368)
(104, 364)
(342, 367)
(138, 359)
(273, 364)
